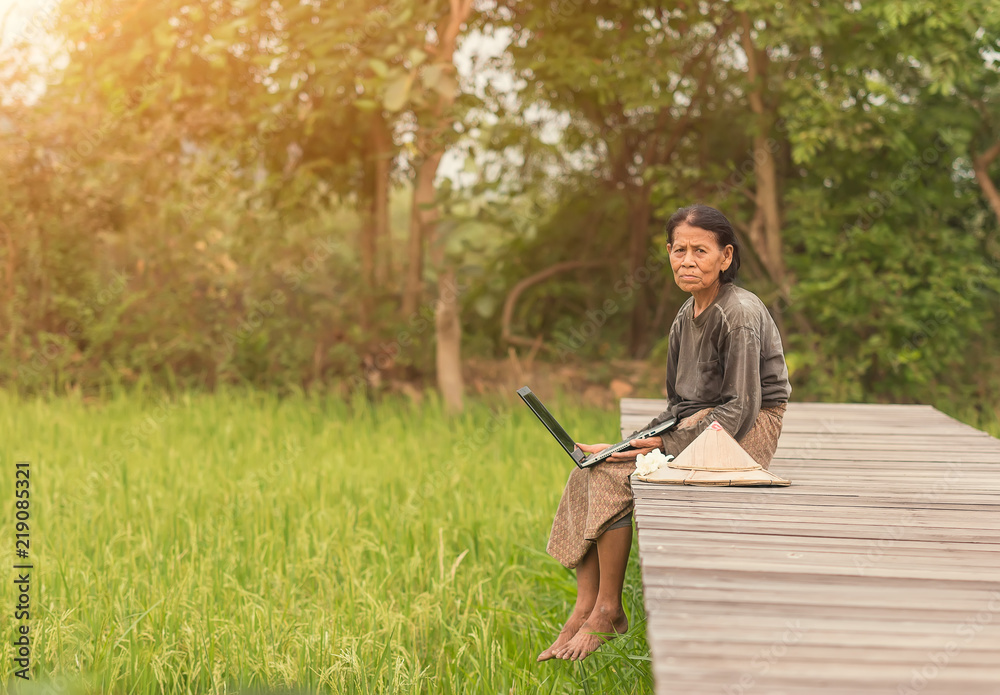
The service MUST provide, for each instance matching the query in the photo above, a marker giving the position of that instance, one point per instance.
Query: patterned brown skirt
(595, 498)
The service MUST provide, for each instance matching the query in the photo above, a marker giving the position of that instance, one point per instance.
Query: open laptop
(579, 456)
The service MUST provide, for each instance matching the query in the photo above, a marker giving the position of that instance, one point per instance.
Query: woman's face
(696, 259)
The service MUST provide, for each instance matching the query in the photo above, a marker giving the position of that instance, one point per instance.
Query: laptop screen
(543, 414)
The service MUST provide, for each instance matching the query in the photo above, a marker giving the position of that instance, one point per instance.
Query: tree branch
(520, 287)
(981, 167)
(753, 72)
(682, 124)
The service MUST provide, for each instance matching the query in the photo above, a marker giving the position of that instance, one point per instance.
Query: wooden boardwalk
(877, 571)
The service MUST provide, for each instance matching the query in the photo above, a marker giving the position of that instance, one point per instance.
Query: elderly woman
(725, 363)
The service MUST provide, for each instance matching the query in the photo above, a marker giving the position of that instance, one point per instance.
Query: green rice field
(239, 542)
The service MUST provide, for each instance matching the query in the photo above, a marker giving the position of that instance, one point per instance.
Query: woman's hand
(593, 448)
(642, 446)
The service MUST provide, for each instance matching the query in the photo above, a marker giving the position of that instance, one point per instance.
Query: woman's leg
(593, 497)
(607, 614)
(588, 576)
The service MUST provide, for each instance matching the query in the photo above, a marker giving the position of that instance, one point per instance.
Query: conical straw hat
(714, 458)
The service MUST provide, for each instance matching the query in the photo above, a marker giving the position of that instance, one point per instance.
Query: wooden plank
(860, 553)
(870, 531)
(771, 684)
(865, 487)
(661, 540)
(729, 665)
(708, 603)
(885, 550)
(887, 458)
(819, 498)
(818, 645)
(928, 518)
(829, 568)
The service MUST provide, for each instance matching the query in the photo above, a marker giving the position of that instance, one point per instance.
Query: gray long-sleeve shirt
(728, 358)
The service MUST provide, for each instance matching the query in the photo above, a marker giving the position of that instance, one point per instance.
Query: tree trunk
(11, 290)
(768, 203)
(658, 150)
(414, 263)
(423, 223)
(366, 244)
(661, 309)
(981, 166)
(639, 209)
(765, 229)
(423, 219)
(448, 329)
(382, 150)
(507, 316)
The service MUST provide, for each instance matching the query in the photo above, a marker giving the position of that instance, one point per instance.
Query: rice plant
(240, 542)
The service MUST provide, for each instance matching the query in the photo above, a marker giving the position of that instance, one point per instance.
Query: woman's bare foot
(587, 640)
(572, 626)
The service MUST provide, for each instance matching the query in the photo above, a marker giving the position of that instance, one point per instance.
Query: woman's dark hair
(715, 222)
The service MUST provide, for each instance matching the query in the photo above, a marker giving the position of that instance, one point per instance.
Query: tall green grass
(228, 542)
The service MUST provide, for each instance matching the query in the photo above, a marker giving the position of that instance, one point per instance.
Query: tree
(633, 78)
(402, 58)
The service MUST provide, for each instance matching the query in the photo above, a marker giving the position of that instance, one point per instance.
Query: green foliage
(894, 265)
(185, 197)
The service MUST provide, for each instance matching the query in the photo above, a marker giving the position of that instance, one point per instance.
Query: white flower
(647, 463)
